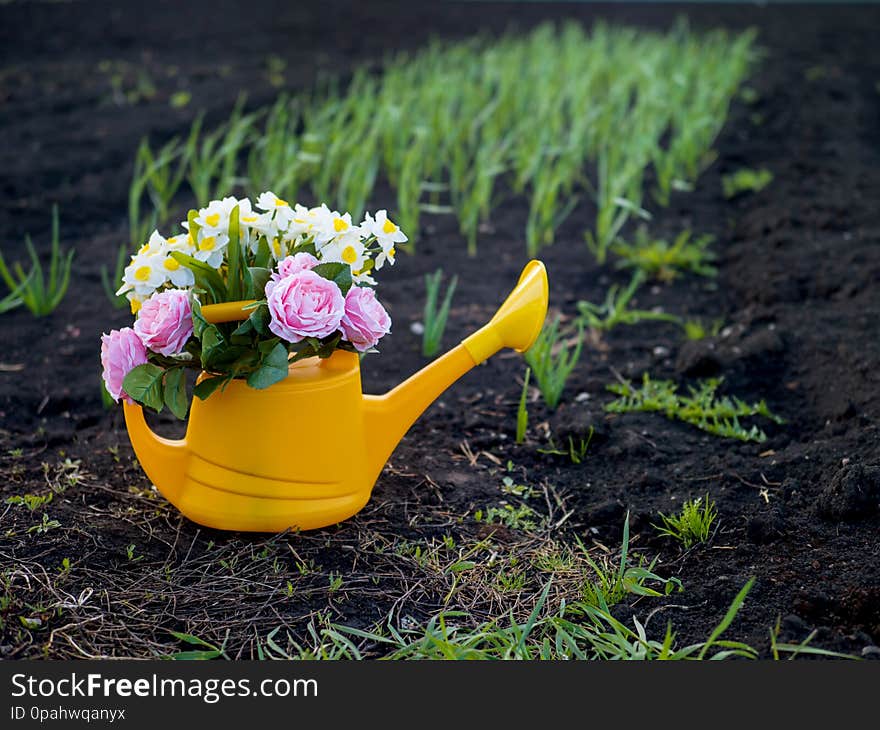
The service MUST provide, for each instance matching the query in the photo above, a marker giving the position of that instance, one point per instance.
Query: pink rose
(304, 305)
(164, 322)
(365, 321)
(291, 264)
(121, 352)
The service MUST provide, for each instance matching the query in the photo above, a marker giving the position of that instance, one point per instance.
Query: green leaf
(260, 319)
(272, 370)
(259, 278)
(245, 328)
(340, 274)
(207, 386)
(212, 345)
(307, 246)
(235, 256)
(199, 321)
(197, 655)
(144, 384)
(266, 346)
(194, 227)
(326, 348)
(175, 392)
(263, 257)
(206, 276)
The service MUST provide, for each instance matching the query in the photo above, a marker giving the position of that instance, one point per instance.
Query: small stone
(661, 352)
(417, 328)
(582, 397)
(871, 652)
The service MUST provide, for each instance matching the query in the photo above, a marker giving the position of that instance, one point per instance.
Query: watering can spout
(163, 460)
(516, 324)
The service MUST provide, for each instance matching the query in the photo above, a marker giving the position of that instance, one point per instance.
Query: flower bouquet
(304, 277)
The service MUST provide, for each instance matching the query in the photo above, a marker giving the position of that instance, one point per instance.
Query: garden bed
(113, 569)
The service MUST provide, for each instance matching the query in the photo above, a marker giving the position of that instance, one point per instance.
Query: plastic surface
(306, 452)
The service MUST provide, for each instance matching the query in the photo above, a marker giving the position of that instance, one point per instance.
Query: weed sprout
(692, 524)
(41, 295)
(522, 413)
(745, 181)
(702, 408)
(552, 359)
(661, 260)
(435, 316)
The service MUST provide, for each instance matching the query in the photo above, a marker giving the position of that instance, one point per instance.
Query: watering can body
(306, 452)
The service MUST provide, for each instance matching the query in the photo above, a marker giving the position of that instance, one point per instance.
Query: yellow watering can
(305, 452)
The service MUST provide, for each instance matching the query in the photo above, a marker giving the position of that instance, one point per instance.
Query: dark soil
(798, 290)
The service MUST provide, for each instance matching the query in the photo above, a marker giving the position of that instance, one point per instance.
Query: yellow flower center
(144, 249)
(249, 219)
(349, 255)
(189, 239)
(391, 252)
(207, 243)
(213, 219)
(389, 227)
(279, 203)
(172, 264)
(276, 247)
(135, 305)
(143, 273)
(339, 224)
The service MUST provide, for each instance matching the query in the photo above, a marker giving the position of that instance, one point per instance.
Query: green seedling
(31, 501)
(702, 408)
(522, 413)
(692, 525)
(523, 491)
(179, 99)
(658, 259)
(44, 526)
(12, 300)
(611, 583)
(615, 309)
(577, 450)
(206, 650)
(558, 115)
(41, 295)
(745, 181)
(552, 358)
(435, 317)
(697, 329)
(520, 517)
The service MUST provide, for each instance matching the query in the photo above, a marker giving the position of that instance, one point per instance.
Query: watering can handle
(228, 311)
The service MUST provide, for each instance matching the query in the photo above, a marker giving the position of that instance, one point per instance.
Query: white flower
(330, 224)
(278, 248)
(270, 202)
(178, 274)
(135, 300)
(210, 248)
(387, 234)
(214, 219)
(253, 226)
(182, 242)
(363, 278)
(144, 274)
(346, 249)
(300, 226)
(155, 246)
